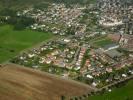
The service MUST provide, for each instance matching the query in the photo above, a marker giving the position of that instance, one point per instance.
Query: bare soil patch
(20, 83)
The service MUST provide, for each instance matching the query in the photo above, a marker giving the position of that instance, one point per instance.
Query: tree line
(8, 16)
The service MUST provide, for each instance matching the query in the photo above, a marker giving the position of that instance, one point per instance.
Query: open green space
(101, 42)
(12, 41)
(122, 93)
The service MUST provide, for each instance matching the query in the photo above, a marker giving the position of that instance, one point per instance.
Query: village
(116, 14)
(96, 56)
(73, 58)
(88, 43)
(57, 18)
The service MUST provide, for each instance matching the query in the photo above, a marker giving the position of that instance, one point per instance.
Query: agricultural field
(122, 93)
(20, 83)
(12, 41)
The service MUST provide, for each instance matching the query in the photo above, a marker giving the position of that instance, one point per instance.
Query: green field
(102, 42)
(123, 93)
(12, 41)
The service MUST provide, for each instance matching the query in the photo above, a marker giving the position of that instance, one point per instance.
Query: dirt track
(20, 83)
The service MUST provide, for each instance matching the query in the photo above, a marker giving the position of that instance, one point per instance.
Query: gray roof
(114, 53)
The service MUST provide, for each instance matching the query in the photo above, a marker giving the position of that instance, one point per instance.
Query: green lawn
(123, 93)
(12, 42)
(103, 42)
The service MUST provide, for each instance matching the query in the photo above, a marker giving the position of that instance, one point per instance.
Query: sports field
(103, 42)
(123, 93)
(12, 41)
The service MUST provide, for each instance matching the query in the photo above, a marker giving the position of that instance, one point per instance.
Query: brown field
(20, 83)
